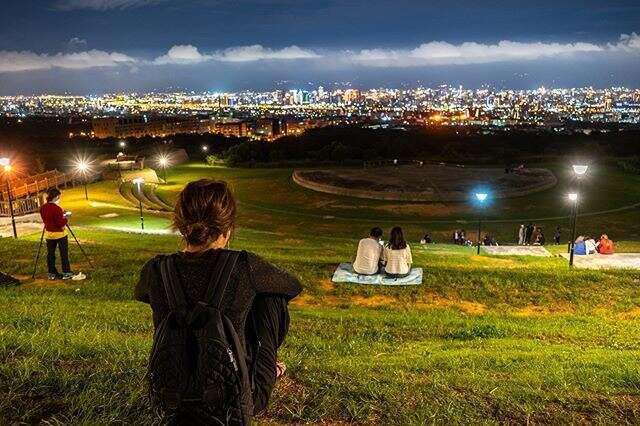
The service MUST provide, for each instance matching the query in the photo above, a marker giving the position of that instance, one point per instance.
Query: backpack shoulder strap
(171, 282)
(220, 277)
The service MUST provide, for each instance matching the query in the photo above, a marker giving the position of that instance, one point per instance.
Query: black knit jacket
(252, 276)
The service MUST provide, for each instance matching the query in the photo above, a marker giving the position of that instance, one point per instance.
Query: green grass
(484, 340)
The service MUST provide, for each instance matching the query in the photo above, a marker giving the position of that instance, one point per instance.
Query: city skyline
(99, 46)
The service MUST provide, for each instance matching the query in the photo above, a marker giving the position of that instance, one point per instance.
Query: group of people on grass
(392, 258)
(532, 235)
(586, 245)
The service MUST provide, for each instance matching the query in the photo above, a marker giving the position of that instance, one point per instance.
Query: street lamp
(205, 148)
(580, 170)
(83, 167)
(573, 197)
(163, 161)
(123, 145)
(481, 197)
(139, 182)
(6, 164)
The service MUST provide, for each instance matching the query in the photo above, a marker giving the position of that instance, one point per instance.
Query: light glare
(580, 169)
(481, 196)
(573, 196)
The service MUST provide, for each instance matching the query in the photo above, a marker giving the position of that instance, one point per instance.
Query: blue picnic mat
(345, 274)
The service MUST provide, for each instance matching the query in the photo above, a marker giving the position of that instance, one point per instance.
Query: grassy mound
(484, 340)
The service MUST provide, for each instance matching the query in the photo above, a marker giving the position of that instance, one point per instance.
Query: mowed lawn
(483, 340)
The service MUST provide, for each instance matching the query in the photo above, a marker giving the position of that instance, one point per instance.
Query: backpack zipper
(232, 359)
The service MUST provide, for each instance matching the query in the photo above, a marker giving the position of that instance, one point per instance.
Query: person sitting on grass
(605, 245)
(427, 239)
(55, 233)
(590, 245)
(397, 255)
(369, 254)
(207, 289)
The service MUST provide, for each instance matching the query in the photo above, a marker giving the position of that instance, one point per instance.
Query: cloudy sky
(94, 46)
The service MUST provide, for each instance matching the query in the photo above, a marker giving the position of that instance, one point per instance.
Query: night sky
(93, 46)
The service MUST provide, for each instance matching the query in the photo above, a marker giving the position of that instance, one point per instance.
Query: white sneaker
(79, 277)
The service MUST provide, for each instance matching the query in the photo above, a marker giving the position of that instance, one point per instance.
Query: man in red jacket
(55, 222)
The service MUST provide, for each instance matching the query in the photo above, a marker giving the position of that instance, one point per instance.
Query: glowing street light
(83, 167)
(139, 182)
(205, 148)
(6, 165)
(580, 169)
(481, 197)
(122, 145)
(164, 162)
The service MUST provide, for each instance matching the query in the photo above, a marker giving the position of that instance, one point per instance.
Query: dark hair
(396, 239)
(376, 232)
(52, 194)
(205, 209)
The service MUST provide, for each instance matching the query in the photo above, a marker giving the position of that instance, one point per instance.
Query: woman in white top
(397, 255)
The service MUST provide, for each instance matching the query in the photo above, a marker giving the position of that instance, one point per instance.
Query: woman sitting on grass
(254, 302)
(397, 255)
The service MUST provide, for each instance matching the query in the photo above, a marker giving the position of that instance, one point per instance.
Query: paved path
(602, 261)
(516, 251)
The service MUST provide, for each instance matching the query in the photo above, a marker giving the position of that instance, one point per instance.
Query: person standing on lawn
(55, 233)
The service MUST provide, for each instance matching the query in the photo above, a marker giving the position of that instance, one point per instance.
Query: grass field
(484, 339)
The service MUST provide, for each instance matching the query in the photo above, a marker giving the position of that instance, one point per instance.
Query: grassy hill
(484, 340)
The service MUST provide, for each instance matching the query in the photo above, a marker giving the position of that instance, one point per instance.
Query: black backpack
(197, 369)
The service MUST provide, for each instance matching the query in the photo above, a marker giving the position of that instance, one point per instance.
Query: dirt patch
(630, 314)
(327, 285)
(541, 311)
(434, 301)
(305, 299)
(374, 301)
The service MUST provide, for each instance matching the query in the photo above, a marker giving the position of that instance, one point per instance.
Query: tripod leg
(80, 246)
(35, 264)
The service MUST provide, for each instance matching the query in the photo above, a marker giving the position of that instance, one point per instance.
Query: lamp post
(139, 182)
(6, 164)
(163, 161)
(83, 168)
(579, 170)
(481, 197)
(122, 145)
(205, 148)
(573, 197)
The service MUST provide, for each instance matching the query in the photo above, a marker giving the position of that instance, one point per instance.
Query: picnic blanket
(345, 274)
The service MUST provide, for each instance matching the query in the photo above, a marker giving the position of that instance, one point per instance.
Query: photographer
(55, 222)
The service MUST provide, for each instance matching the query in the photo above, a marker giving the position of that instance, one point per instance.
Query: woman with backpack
(220, 316)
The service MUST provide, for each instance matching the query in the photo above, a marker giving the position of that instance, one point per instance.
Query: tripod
(35, 264)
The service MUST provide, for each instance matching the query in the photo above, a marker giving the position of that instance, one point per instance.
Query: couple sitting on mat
(374, 256)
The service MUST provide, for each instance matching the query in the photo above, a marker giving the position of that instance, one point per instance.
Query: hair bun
(197, 233)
